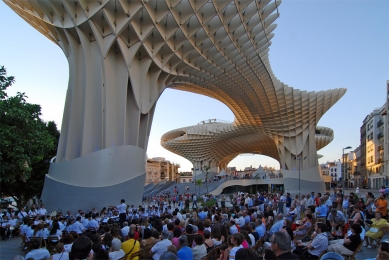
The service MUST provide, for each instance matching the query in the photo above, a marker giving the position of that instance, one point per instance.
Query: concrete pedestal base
(96, 180)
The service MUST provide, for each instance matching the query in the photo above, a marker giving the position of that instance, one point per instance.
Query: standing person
(383, 190)
(194, 201)
(288, 203)
(382, 204)
(122, 208)
(223, 201)
(357, 190)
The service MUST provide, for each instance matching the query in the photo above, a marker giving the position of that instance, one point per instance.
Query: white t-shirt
(159, 248)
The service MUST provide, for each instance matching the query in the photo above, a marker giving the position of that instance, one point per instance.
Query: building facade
(159, 170)
(375, 144)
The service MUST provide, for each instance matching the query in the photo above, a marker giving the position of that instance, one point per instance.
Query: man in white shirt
(122, 208)
(22, 214)
(159, 248)
(125, 229)
(42, 211)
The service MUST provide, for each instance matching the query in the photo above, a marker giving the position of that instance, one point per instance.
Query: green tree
(26, 144)
(199, 183)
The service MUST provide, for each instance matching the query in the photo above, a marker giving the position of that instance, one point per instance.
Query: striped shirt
(319, 244)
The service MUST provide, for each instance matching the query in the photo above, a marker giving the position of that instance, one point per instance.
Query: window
(335, 169)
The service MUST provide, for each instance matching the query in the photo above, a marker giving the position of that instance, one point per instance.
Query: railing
(214, 120)
(380, 123)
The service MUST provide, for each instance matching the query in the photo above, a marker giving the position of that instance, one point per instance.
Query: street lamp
(193, 169)
(344, 171)
(299, 158)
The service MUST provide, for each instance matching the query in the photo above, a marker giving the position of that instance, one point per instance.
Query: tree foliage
(26, 144)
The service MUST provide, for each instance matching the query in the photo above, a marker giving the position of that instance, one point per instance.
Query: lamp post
(299, 158)
(344, 171)
(193, 169)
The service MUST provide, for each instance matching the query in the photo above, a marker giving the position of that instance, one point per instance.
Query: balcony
(380, 135)
(380, 148)
(380, 123)
(379, 161)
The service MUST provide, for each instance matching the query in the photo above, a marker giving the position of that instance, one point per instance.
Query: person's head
(68, 239)
(183, 240)
(122, 201)
(177, 232)
(116, 244)
(356, 208)
(35, 243)
(200, 225)
(269, 255)
(252, 226)
(165, 234)
(382, 196)
(320, 227)
(172, 249)
(189, 229)
(244, 254)
(199, 239)
(131, 234)
(378, 215)
(207, 234)
(280, 242)
(81, 248)
(237, 239)
(59, 248)
(168, 256)
(125, 224)
(100, 254)
(146, 233)
(170, 226)
(357, 228)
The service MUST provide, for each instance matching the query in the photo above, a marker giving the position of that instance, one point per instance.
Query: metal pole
(343, 177)
(195, 177)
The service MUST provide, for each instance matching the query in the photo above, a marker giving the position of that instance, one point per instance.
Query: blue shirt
(277, 226)
(288, 202)
(321, 211)
(78, 227)
(185, 253)
(202, 215)
(246, 219)
(261, 230)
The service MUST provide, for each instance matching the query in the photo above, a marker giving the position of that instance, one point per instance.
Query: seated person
(336, 219)
(375, 229)
(37, 252)
(306, 224)
(350, 242)
(317, 246)
(292, 214)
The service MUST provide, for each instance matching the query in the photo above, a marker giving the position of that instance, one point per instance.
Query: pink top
(175, 241)
(245, 244)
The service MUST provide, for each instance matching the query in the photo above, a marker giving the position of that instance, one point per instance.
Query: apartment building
(376, 127)
(159, 169)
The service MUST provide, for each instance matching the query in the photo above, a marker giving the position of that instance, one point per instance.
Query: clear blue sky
(318, 45)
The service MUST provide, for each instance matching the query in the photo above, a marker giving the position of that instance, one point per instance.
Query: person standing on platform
(122, 208)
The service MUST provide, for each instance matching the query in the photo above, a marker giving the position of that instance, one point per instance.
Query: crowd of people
(286, 228)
